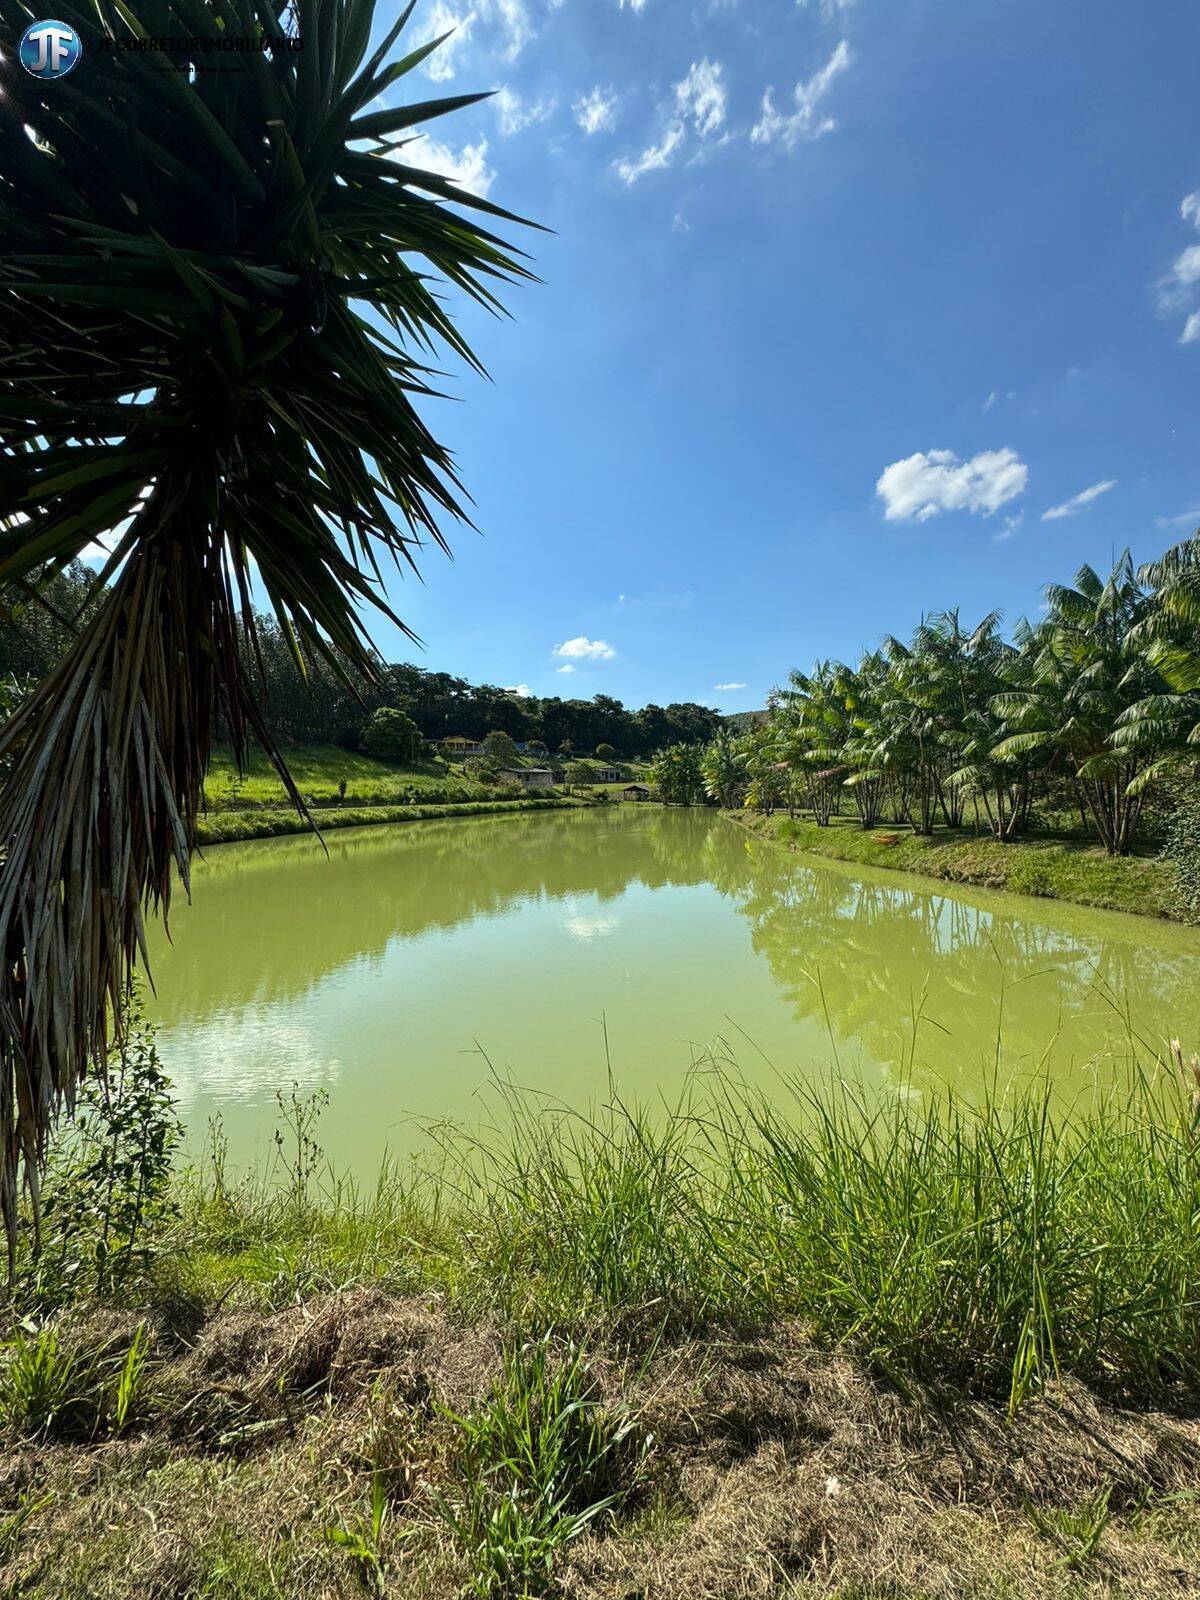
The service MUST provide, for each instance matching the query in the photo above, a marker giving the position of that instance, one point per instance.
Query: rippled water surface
(401, 969)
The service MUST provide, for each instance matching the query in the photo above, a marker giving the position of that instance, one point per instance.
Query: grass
(1057, 869)
(226, 826)
(716, 1351)
(986, 1247)
(318, 771)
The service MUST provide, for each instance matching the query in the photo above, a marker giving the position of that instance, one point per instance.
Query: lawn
(318, 770)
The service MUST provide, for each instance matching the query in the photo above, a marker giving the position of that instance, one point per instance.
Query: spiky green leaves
(219, 306)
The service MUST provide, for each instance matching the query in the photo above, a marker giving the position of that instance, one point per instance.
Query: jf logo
(50, 49)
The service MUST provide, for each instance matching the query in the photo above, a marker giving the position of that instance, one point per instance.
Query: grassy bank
(319, 771)
(721, 1352)
(224, 827)
(1051, 868)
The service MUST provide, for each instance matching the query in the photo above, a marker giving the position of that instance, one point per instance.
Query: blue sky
(842, 300)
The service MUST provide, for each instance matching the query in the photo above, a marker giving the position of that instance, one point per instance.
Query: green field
(318, 770)
(1050, 868)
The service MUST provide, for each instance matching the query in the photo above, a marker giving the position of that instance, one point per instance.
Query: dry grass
(776, 1471)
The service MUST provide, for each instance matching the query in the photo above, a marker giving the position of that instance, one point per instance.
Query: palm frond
(220, 311)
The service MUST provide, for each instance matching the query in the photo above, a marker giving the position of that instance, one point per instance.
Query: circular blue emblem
(50, 49)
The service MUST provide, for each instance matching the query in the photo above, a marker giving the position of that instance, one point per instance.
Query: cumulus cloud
(931, 481)
(596, 111)
(467, 167)
(632, 5)
(567, 668)
(655, 157)
(585, 649)
(804, 122)
(728, 686)
(1079, 502)
(1191, 329)
(521, 690)
(701, 96)
(514, 113)
(439, 19)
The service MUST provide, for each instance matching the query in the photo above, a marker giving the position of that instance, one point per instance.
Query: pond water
(413, 963)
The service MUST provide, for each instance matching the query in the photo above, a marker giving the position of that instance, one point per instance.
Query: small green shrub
(106, 1196)
(536, 1464)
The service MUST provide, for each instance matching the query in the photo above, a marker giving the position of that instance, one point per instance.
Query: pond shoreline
(232, 827)
(1044, 869)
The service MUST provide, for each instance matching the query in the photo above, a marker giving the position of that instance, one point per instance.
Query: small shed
(635, 791)
(529, 777)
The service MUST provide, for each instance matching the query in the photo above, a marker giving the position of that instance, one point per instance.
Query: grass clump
(535, 1465)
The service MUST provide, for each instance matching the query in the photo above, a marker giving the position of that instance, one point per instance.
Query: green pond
(414, 966)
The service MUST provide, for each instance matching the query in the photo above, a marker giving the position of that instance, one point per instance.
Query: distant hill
(740, 721)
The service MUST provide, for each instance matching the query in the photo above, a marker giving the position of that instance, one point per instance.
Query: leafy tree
(481, 768)
(219, 291)
(605, 752)
(392, 735)
(678, 774)
(579, 775)
(723, 767)
(499, 748)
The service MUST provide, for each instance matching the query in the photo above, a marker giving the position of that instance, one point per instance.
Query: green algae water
(567, 952)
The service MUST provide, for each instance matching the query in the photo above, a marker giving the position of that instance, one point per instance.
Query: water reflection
(561, 942)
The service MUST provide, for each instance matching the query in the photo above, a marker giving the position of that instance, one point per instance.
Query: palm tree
(723, 766)
(1168, 634)
(218, 311)
(1081, 671)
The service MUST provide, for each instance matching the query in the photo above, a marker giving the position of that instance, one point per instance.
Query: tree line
(323, 705)
(1089, 711)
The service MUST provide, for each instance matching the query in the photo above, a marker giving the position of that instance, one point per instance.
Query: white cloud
(467, 167)
(655, 158)
(585, 649)
(1189, 208)
(513, 113)
(729, 687)
(596, 111)
(1191, 329)
(931, 481)
(632, 5)
(1011, 524)
(521, 690)
(1078, 502)
(803, 123)
(514, 23)
(1186, 267)
(439, 19)
(567, 668)
(1189, 517)
(701, 96)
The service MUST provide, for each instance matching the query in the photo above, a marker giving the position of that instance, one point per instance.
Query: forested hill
(325, 711)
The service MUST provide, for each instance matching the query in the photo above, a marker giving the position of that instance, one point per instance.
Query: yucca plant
(218, 308)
